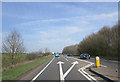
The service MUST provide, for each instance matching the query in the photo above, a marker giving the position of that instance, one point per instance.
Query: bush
(7, 61)
(46, 54)
(31, 56)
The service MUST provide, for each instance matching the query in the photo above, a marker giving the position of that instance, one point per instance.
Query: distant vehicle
(56, 55)
(53, 53)
(85, 56)
(69, 55)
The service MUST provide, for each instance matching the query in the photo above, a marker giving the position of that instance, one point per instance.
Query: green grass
(111, 58)
(6, 60)
(13, 73)
(108, 58)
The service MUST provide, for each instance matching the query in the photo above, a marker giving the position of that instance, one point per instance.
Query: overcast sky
(56, 24)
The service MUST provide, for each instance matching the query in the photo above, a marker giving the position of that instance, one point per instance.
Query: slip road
(61, 68)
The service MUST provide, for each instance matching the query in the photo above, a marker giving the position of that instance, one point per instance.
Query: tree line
(103, 43)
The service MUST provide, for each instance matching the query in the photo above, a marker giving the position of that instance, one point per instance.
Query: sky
(56, 24)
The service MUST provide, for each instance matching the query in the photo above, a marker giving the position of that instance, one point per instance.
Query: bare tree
(40, 51)
(13, 44)
(46, 50)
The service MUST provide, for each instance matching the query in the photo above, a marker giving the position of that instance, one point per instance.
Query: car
(85, 56)
(56, 55)
(53, 53)
(69, 55)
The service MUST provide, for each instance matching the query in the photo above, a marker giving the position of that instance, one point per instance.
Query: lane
(73, 74)
(81, 66)
(52, 72)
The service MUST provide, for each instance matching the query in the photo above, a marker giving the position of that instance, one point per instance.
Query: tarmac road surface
(63, 68)
(52, 72)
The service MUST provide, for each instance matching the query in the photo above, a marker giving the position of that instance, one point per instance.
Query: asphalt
(52, 72)
(108, 71)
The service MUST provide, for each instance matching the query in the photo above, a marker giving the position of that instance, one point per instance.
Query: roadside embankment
(12, 74)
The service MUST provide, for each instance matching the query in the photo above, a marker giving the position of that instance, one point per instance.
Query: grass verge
(111, 58)
(13, 73)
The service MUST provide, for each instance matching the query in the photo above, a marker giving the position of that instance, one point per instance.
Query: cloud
(79, 19)
(57, 41)
(104, 16)
(61, 32)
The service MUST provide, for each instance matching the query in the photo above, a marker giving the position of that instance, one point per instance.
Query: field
(6, 59)
(13, 73)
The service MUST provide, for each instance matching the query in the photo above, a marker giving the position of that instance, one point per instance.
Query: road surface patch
(42, 70)
(64, 58)
(62, 76)
(81, 70)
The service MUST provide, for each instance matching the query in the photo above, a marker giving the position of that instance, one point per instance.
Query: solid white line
(82, 60)
(89, 76)
(81, 70)
(42, 70)
(88, 61)
(84, 75)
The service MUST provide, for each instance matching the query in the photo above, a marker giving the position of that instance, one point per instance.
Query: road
(64, 68)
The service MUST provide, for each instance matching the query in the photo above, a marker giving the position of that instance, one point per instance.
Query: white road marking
(74, 63)
(62, 76)
(87, 61)
(42, 70)
(103, 65)
(81, 70)
(84, 75)
(61, 71)
(89, 77)
(64, 58)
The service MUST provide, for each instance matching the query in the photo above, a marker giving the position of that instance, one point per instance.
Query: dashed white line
(42, 70)
(64, 58)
